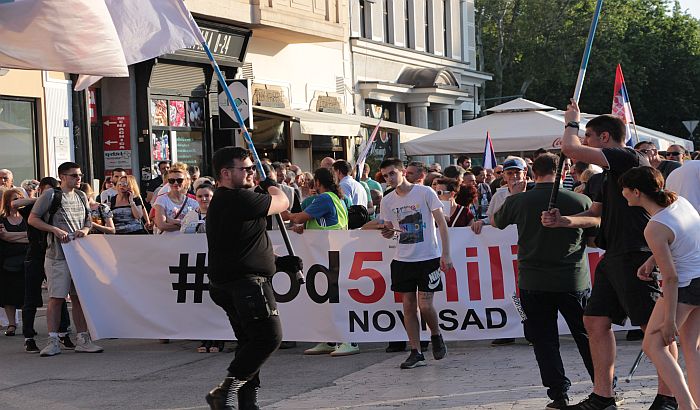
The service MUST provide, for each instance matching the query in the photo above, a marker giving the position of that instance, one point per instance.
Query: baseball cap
(515, 163)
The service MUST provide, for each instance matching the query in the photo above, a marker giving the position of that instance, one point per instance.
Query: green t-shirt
(372, 184)
(549, 259)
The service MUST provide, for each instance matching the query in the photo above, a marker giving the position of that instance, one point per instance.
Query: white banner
(155, 287)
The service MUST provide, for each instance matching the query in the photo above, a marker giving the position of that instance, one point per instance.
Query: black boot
(248, 397)
(225, 395)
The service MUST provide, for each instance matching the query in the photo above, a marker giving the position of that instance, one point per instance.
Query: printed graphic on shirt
(411, 224)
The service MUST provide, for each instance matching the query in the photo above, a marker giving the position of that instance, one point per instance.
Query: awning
(325, 123)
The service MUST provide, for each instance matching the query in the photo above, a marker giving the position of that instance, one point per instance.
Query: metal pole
(246, 135)
(577, 94)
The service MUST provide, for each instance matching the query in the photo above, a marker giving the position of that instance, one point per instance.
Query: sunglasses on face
(673, 154)
(123, 184)
(648, 150)
(498, 172)
(179, 181)
(76, 176)
(443, 192)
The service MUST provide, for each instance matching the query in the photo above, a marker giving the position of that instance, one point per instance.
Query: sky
(693, 6)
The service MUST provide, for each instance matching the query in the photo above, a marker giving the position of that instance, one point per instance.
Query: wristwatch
(572, 124)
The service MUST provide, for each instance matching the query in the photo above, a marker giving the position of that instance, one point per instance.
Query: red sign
(116, 133)
(117, 142)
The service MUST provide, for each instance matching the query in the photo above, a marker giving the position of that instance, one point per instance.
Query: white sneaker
(85, 345)
(51, 349)
(346, 349)
(321, 348)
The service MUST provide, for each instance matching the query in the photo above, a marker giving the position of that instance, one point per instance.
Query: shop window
(18, 138)
(177, 130)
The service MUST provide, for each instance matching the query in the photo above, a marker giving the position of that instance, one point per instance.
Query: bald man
(327, 163)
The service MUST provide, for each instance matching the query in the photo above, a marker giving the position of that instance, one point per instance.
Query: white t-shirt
(685, 181)
(412, 214)
(354, 190)
(171, 208)
(682, 219)
(106, 194)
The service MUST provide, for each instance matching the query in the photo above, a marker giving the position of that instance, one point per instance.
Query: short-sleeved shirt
(372, 184)
(322, 209)
(238, 243)
(412, 214)
(354, 190)
(549, 260)
(172, 209)
(685, 181)
(70, 217)
(622, 226)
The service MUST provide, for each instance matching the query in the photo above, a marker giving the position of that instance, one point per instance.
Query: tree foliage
(534, 47)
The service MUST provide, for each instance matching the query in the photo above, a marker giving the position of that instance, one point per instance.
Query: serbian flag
(489, 154)
(621, 106)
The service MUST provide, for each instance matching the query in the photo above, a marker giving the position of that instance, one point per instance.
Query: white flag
(72, 36)
(147, 29)
(96, 38)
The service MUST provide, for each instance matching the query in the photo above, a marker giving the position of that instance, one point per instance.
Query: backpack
(357, 216)
(55, 206)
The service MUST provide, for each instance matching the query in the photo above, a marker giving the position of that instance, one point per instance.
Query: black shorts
(618, 293)
(423, 275)
(690, 295)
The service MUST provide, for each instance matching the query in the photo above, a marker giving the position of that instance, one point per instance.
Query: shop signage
(265, 97)
(326, 103)
(117, 142)
(240, 91)
(228, 45)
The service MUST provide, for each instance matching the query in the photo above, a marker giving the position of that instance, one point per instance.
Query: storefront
(18, 137)
(177, 101)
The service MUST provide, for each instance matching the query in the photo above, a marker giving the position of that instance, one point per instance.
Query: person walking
(69, 220)
(673, 234)
(241, 266)
(552, 275)
(412, 212)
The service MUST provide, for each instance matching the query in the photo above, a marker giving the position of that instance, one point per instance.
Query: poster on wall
(178, 118)
(195, 113)
(160, 146)
(159, 113)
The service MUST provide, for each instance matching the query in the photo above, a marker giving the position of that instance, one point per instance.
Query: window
(408, 18)
(17, 138)
(365, 19)
(428, 17)
(387, 26)
(446, 27)
(177, 130)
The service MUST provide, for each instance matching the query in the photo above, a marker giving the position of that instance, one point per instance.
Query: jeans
(33, 277)
(541, 309)
(252, 311)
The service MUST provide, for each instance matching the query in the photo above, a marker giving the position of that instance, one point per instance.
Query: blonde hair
(131, 183)
(181, 168)
(6, 206)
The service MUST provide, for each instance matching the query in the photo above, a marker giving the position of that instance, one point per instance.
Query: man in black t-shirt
(241, 266)
(617, 292)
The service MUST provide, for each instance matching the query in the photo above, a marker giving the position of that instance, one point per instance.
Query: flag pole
(365, 151)
(246, 135)
(577, 94)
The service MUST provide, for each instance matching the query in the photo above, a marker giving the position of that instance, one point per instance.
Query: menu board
(189, 147)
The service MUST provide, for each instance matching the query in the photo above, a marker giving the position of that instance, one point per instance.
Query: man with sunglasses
(675, 153)
(649, 149)
(241, 266)
(71, 221)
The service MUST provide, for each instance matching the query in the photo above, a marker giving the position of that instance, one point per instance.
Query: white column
(456, 114)
(419, 114)
(442, 121)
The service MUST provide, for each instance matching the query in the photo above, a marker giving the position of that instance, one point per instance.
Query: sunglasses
(647, 150)
(179, 181)
(498, 172)
(251, 168)
(673, 154)
(443, 192)
(76, 176)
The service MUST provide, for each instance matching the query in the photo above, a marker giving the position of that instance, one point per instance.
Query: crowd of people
(640, 205)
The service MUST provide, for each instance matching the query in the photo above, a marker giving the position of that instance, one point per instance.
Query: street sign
(691, 125)
(240, 90)
(117, 142)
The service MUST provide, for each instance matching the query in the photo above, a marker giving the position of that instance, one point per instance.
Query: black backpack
(357, 216)
(55, 206)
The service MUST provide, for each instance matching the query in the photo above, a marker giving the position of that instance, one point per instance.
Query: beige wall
(29, 84)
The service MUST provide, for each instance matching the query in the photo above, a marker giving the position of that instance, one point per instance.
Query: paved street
(144, 374)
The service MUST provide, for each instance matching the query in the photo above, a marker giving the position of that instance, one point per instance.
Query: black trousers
(541, 309)
(34, 275)
(252, 310)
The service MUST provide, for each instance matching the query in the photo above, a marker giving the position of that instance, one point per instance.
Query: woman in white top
(673, 234)
(172, 207)
(194, 222)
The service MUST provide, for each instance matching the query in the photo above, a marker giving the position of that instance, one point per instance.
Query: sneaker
(558, 403)
(287, 345)
(595, 402)
(85, 344)
(66, 342)
(662, 402)
(502, 342)
(321, 348)
(346, 349)
(415, 359)
(439, 349)
(30, 346)
(52, 348)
